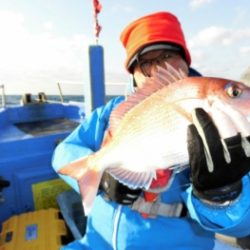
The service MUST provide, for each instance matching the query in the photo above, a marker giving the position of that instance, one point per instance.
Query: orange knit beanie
(159, 27)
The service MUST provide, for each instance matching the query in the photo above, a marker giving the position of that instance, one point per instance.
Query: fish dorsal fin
(161, 78)
(168, 74)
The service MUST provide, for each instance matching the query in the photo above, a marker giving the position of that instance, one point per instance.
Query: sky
(44, 42)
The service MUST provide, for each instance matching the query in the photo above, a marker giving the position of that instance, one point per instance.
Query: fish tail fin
(88, 177)
(89, 184)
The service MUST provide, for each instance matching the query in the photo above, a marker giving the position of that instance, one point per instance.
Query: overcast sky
(46, 41)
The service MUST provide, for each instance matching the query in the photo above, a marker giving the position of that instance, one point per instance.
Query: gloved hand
(118, 192)
(217, 177)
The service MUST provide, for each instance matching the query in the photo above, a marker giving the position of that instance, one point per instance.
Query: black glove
(118, 192)
(223, 181)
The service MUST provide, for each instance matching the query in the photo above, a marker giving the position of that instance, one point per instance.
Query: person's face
(147, 64)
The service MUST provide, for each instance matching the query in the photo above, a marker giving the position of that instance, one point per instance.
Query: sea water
(12, 100)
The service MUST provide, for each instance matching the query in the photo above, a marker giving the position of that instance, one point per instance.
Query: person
(183, 209)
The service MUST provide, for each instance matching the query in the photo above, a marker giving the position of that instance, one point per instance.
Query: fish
(148, 131)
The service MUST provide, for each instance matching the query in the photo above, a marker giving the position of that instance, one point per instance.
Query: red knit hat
(157, 28)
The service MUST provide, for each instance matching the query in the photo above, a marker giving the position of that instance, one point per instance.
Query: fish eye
(233, 91)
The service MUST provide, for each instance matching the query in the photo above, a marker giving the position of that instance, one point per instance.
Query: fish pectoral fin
(132, 179)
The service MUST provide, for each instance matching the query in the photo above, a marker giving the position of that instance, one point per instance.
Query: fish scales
(151, 133)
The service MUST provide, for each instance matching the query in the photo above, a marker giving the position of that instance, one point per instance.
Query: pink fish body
(149, 130)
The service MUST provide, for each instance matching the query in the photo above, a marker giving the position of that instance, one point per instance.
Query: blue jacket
(113, 226)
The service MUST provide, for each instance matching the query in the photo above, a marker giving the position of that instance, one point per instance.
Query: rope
(97, 10)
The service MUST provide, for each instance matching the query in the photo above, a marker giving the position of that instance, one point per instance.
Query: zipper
(115, 228)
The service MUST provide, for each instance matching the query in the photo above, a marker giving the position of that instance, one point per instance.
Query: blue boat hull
(28, 137)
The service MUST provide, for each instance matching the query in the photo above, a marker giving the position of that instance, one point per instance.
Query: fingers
(240, 122)
(246, 145)
(195, 150)
(209, 136)
(224, 128)
(224, 123)
(195, 144)
(232, 122)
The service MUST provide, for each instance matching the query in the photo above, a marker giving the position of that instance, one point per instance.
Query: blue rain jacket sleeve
(84, 140)
(232, 220)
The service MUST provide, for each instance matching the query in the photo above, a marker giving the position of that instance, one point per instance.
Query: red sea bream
(149, 130)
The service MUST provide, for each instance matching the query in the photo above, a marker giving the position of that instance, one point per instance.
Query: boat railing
(25, 93)
(60, 92)
(3, 104)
